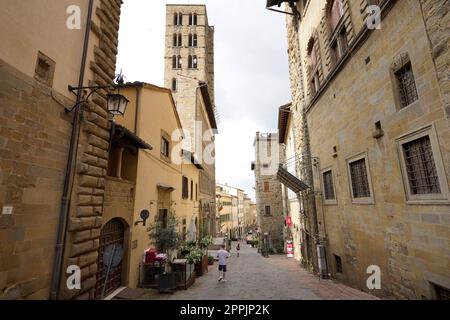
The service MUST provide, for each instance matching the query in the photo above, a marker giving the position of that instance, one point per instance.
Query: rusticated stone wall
(85, 220)
(436, 15)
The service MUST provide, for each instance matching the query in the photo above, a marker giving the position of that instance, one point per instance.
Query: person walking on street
(222, 255)
(238, 247)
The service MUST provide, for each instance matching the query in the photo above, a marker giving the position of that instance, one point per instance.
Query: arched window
(175, 39)
(176, 62)
(192, 62)
(338, 30)
(178, 19)
(313, 67)
(195, 19)
(193, 40)
(174, 84)
(179, 40)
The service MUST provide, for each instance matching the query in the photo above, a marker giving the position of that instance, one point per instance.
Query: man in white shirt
(223, 255)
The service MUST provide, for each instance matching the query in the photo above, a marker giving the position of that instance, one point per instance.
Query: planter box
(201, 267)
(167, 283)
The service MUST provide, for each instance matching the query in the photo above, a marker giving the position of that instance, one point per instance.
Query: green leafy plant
(210, 259)
(206, 242)
(165, 235)
(194, 256)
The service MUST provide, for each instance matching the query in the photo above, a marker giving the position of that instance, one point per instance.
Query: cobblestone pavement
(253, 277)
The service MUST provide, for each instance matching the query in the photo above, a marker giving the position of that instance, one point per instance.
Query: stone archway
(112, 233)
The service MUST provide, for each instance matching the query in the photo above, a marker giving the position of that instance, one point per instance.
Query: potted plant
(195, 257)
(210, 260)
(165, 237)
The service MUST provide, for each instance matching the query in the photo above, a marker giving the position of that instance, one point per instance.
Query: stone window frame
(193, 62)
(177, 40)
(193, 40)
(165, 137)
(328, 201)
(45, 69)
(266, 183)
(178, 19)
(270, 210)
(366, 200)
(314, 72)
(330, 35)
(444, 196)
(400, 61)
(177, 62)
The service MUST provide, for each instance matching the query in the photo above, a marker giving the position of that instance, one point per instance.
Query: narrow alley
(253, 277)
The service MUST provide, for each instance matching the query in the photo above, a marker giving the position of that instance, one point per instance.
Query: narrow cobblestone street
(253, 277)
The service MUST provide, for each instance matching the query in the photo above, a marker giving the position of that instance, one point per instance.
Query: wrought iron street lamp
(116, 103)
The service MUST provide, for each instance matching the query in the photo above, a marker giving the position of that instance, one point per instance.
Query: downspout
(69, 176)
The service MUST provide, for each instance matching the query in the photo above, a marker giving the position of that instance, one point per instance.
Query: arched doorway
(111, 237)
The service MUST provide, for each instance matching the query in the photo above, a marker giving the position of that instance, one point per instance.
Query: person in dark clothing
(238, 247)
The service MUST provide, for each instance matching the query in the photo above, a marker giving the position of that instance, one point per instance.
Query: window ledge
(363, 202)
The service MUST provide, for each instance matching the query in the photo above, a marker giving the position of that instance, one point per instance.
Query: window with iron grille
(406, 85)
(328, 185)
(359, 179)
(420, 167)
(267, 211)
(338, 261)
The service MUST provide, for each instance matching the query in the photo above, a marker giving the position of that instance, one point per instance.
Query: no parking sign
(289, 249)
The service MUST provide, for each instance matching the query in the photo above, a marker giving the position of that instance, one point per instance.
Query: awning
(165, 187)
(291, 181)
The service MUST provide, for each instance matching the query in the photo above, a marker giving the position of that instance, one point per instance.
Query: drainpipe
(70, 171)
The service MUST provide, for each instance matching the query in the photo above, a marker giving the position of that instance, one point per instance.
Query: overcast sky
(251, 71)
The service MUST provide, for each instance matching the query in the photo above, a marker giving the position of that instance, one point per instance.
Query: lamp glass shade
(117, 104)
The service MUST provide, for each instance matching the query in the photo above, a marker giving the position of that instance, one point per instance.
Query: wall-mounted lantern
(292, 3)
(116, 103)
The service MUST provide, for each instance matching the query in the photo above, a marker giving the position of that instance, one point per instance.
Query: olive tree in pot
(166, 238)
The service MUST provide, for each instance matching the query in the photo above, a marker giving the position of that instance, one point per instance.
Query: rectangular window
(165, 147)
(360, 183)
(406, 85)
(185, 188)
(338, 262)
(192, 190)
(267, 211)
(266, 186)
(422, 167)
(328, 186)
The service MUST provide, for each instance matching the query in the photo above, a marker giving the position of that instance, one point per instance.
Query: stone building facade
(39, 59)
(371, 113)
(269, 202)
(189, 72)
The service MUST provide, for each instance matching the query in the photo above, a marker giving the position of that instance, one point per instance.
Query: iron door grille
(112, 233)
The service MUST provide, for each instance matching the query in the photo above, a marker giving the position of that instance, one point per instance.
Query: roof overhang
(208, 104)
(292, 3)
(120, 132)
(283, 118)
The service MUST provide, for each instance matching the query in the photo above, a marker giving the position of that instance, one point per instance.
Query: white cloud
(251, 72)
